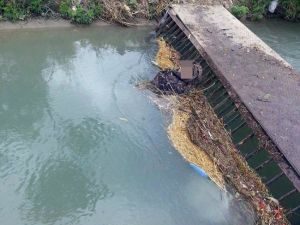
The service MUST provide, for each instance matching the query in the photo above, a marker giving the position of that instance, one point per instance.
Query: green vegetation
(125, 11)
(81, 14)
(36, 7)
(257, 9)
(12, 11)
(239, 11)
(65, 9)
(292, 8)
(132, 3)
(82, 11)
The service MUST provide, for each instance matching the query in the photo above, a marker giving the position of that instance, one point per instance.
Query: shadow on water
(80, 145)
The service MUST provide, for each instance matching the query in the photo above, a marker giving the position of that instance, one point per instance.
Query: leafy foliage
(86, 11)
(289, 9)
(82, 16)
(97, 9)
(36, 6)
(239, 11)
(65, 9)
(2, 4)
(292, 8)
(132, 4)
(13, 12)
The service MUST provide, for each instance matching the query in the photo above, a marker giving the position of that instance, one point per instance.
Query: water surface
(282, 36)
(80, 145)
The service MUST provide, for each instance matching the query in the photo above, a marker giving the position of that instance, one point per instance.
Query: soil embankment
(57, 23)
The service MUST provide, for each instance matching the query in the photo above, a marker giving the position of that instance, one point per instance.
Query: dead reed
(201, 138)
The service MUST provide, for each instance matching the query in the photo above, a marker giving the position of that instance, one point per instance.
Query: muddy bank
(35, 23)
(38, 23)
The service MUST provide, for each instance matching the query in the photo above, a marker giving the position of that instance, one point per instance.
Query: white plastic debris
(273, 5)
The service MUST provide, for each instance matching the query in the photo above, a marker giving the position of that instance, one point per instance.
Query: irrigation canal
(79, 144)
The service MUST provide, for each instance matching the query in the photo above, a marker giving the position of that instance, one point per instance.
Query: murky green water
(282, 36)
(80, 145)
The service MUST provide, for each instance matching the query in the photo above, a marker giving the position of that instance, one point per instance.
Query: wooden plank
(263, 81)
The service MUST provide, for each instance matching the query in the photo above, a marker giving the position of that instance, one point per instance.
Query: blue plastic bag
(199, 170)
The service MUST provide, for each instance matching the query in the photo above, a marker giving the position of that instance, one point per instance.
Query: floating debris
(180, 139)
(208, 132)
(199, 170)
(201, 138)
(168, 60)
(169, 82)
(123, 119)
(172, 79)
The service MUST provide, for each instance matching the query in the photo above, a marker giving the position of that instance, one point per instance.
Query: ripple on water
(85, 136)
(50, 194)
(282, 36)
(66, 157)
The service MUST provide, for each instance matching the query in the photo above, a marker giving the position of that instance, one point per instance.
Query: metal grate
(274, 169)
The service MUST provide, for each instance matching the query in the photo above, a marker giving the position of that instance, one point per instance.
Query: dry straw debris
(179, 136)
(198, 134)
(166, 57)
(208, 132)
(126, 12)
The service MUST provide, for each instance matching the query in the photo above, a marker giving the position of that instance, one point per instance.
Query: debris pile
(180, 138)
(169, 82)
(208, 132)
(200, 137)
(166, 58)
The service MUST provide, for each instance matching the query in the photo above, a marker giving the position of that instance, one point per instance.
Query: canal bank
(127, 13)
(40, 23)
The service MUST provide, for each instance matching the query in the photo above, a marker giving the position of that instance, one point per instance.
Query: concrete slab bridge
(250, 87)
